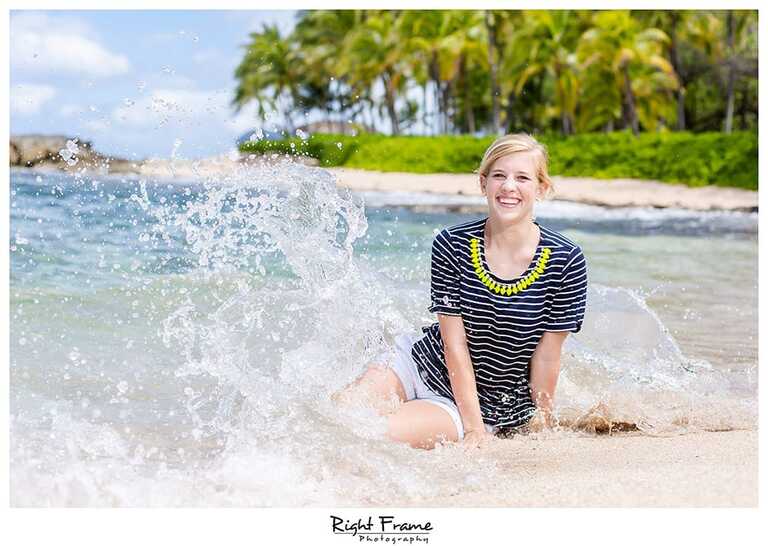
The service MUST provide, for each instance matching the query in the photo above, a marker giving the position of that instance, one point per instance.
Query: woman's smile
(508, 202)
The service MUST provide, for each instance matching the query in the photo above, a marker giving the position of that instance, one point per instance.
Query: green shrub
(693, 159)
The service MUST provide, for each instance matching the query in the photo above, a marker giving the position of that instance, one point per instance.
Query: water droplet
(128, 102)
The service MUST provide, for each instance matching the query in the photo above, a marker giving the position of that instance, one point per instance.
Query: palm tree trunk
(389, 97)
(730, 94)
(743, 109)
(369, 115)
(629, 102)
(567, 125)
(468, 109)
(674, 57)
(424, 107)
(434, 74)
(510, 112)
(565, 120)
(494, 70)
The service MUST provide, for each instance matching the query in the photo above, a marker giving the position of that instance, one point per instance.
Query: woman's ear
(482, 184)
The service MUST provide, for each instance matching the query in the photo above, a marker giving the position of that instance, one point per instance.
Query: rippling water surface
(176, 343)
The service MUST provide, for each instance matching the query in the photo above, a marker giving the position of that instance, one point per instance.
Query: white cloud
(41, 44)
(28, 98)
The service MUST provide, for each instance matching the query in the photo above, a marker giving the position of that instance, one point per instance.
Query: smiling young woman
(506, 292)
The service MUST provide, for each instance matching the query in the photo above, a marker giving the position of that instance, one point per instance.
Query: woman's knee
(382, 380)
(378, 386)
(421, 425)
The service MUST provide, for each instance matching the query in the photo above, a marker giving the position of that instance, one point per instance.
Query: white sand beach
(706, 469)
(592, 191)
(608, 193)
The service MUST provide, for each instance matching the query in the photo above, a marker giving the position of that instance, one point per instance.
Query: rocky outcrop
(65, 153)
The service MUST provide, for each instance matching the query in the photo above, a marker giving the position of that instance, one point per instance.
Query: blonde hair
(516, 143)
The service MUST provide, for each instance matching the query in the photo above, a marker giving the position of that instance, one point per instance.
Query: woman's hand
(542, 420)
(477, 438)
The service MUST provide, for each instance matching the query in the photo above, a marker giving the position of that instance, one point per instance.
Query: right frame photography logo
(383, 530)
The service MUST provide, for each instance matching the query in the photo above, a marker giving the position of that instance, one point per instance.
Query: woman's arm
(545, 369)
(461, 372)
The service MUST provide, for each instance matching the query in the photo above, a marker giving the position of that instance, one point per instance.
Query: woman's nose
(509, 183)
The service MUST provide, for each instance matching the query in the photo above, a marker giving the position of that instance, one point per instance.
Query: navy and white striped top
(504, 319)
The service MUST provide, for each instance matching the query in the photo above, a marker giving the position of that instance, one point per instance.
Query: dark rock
(54, 151)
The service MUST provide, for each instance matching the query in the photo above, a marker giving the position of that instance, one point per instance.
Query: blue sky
(133, 82)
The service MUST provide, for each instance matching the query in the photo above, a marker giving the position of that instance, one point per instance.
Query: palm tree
(673, 23)
(715, 61)
(618, 41)
(320, 37)
(270, 70)
(551, 37)
(462, 49)
(372, 51)
(736, 39)
(426, 40)
(493, 65)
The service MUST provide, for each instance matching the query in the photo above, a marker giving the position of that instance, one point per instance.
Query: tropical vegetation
(694, 159)
(485, 72)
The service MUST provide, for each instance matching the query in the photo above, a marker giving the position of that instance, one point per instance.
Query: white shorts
(415, 389)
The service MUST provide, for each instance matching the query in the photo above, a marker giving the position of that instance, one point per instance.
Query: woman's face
(511, 186)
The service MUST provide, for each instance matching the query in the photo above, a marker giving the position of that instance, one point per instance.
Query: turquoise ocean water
(175, 343)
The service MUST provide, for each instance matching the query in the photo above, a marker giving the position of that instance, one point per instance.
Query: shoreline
(613, 193)
(702, 469)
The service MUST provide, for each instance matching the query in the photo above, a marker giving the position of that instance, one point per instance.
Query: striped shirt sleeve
(445, 275)
(570, 301)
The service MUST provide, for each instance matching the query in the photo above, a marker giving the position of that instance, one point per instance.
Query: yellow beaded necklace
(502, 288)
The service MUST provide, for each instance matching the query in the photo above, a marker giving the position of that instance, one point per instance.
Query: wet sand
(707, 469)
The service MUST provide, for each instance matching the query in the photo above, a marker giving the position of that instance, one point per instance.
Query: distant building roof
(335, 127)
(260, 134)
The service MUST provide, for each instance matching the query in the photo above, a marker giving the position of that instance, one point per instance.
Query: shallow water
(176, 343)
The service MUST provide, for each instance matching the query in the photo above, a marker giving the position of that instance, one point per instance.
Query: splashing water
(240, 307)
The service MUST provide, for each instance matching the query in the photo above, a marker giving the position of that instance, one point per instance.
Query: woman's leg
(421, 424)
(379, 387)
